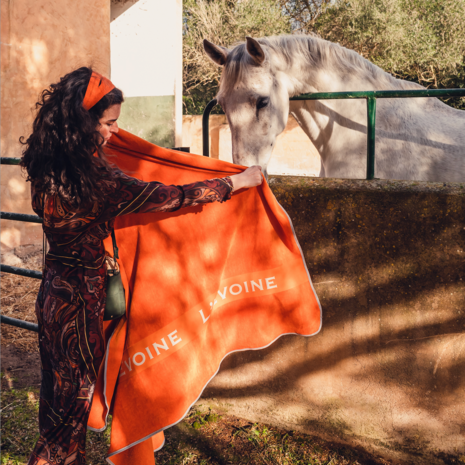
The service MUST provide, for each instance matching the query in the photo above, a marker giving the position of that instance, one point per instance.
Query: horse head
(254, 95)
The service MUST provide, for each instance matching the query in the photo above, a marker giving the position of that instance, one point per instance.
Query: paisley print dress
(72, 297)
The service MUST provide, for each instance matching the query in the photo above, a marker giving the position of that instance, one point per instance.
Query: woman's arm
(135, 196)
(125, 195)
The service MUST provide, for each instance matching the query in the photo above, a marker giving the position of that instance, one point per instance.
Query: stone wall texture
(387, 371)
(40, 42)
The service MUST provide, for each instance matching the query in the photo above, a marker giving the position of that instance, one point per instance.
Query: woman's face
(107, 123)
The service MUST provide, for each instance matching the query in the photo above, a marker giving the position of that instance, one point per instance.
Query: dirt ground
(18, 295)
(19, 349)
(202, 438)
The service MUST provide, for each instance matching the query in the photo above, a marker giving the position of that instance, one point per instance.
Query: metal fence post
(206, 128)
(371, 130)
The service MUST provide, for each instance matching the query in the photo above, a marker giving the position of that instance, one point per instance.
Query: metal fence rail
(13, 269)
(20, 271)
(20, 217)
(20, 323)
(9, 161)
(370, 97)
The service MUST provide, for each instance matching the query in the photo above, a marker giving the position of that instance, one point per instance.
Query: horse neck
(328, 73)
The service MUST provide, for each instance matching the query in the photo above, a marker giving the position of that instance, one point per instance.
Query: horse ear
(216, 53)
(255, 50)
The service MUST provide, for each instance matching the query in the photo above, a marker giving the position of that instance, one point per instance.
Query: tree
(416, 40)
(223, 22)
(304, 13)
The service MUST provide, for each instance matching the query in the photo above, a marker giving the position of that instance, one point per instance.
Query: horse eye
(262, 102)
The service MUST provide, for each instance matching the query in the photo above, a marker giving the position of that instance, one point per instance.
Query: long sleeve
(125, 195)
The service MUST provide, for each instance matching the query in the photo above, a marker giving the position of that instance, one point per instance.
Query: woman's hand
(251, 177)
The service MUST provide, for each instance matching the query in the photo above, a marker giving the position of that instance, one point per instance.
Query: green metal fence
(13, 269)
(369, 96)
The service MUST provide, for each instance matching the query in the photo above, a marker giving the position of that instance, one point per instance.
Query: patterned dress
(71, 300)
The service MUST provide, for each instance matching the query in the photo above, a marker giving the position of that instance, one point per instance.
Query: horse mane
(319, 53)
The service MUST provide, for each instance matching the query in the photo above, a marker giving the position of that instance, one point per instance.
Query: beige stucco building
(42, 40)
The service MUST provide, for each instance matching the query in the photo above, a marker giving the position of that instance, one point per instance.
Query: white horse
(416, 138)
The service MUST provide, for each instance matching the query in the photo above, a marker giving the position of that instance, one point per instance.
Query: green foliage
(417, 40)
(216, 440)
(20, 430)
(304, 13)
(223, 22)
(200, 419)
(19, 425)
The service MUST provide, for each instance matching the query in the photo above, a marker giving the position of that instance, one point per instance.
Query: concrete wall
(146, 64)
(40, 42)
(293, 154)
(387, 371)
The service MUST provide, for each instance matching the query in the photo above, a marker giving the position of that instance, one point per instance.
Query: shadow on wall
(35, 38)
(387, 371)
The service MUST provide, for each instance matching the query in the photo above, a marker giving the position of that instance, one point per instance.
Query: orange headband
(98, 87)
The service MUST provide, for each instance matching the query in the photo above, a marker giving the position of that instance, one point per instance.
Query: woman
(79, 194)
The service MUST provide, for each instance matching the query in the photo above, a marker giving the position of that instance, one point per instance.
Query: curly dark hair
(59, 154)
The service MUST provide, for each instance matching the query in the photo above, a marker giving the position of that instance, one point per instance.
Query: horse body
(416, 138)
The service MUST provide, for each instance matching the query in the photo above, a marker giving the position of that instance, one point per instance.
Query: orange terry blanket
(201, 283)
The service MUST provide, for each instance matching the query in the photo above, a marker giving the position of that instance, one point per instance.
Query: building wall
(387, 371)
(40, 42)
(293, 154)
(146, 64)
